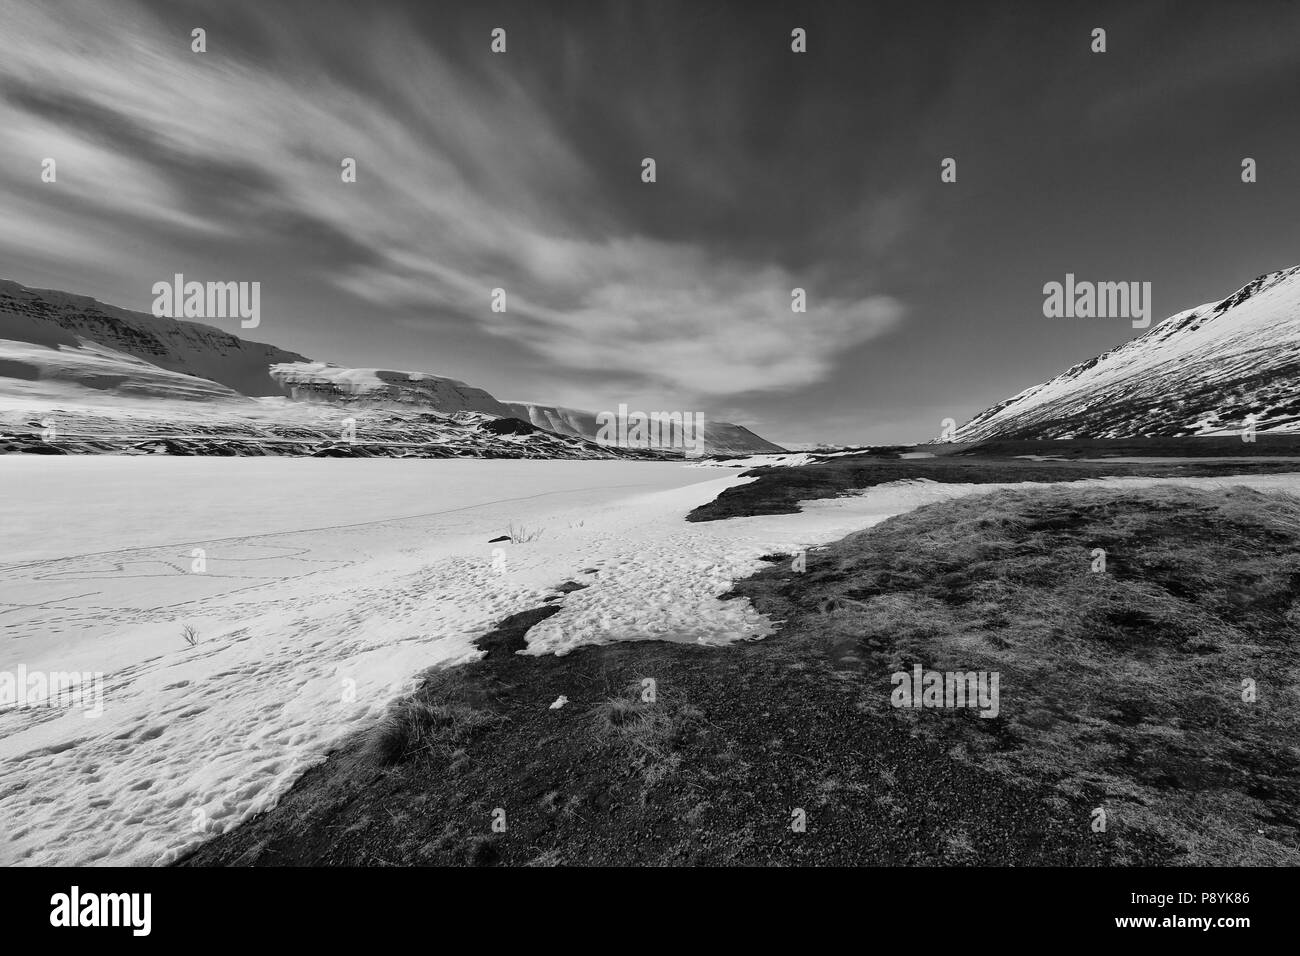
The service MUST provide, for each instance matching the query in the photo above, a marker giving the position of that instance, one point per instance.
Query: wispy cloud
(466, 183)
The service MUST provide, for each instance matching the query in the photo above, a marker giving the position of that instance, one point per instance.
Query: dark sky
(775, 170)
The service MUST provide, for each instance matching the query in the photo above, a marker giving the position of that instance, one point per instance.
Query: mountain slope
(59, 374)
(320, 382)
(1199, 372)
(57, 320)
(720, 438)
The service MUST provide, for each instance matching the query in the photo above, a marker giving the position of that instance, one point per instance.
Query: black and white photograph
(567, 436)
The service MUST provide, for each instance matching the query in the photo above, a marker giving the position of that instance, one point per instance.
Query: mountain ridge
(54, 319)
(720, 438)
(1201, 371)
(64, 347)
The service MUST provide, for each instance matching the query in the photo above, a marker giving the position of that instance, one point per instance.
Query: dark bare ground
(1211, 446)
(770, 728)
(1163, 683)
(751, 733)
(779, 490)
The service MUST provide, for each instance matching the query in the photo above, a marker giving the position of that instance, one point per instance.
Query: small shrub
(522, 534)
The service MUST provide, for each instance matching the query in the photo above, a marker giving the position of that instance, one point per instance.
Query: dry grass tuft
(438, 722)
(652, 731)
(522, 533)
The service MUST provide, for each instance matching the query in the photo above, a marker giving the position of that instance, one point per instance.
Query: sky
(775, 170)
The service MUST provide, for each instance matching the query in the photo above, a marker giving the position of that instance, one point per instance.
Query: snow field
(330, 586)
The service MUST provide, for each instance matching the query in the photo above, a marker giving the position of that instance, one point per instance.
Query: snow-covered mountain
(112, 377)
(1199, 372)
(720, 438)
(320, 382)
(63, 325)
